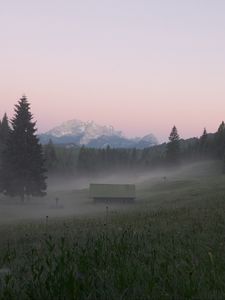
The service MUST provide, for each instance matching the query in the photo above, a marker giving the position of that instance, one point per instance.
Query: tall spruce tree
(203, 143)
(4, 134)
(23, 162)
(220, 141)
(173, 147)
(4, 129)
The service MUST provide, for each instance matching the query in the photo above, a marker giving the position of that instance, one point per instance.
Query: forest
(82, 161)
(167, 244)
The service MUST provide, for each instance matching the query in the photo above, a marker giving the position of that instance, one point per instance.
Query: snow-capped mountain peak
(86, 130)
(95, 136)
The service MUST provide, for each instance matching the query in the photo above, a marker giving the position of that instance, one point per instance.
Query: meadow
(170, 244)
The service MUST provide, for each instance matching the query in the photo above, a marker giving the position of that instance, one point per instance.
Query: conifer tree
(145, 157)
(4, 129)
(50, 156)
(203, 142)
(220, 140)
(133, 158)
(82, 162)
(173, 147)
(23, 162)
(4, 134)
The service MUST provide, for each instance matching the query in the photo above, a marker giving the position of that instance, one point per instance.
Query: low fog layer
(70, 196)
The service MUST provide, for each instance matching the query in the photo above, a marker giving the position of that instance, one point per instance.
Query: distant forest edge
(83, 161)
(88, 161)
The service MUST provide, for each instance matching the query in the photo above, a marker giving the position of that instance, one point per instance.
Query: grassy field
(169, 245)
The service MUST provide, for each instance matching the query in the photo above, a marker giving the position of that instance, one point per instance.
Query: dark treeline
(23, 161)
(86, 161)
(60, 160)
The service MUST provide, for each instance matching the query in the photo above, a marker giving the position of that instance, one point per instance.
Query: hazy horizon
(123, 133)
(140, 66)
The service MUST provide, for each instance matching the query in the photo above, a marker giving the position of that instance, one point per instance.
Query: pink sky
(141, 66)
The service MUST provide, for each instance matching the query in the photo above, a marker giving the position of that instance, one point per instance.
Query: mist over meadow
(112, 150)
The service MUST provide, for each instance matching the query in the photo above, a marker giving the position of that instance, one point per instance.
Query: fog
(70, 196)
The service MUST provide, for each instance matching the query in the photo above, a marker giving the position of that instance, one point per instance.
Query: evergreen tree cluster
(60, 160)
(84, 161)
(173, 147)
(24, 162)
(4, 134)
(105, 160)
(22, 171)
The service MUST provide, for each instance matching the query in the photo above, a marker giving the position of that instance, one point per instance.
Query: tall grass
(172, 251)
(175, 254)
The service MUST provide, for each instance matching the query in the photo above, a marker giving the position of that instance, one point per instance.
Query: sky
(139, 65)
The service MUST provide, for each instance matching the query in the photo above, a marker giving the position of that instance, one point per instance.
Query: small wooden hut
(124, 193)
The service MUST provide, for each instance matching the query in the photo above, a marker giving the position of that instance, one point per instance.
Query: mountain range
(90, 134)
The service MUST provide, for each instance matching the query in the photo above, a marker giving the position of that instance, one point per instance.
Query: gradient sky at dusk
(139, 65)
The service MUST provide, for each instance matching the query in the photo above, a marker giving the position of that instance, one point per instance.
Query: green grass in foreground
(171, 247)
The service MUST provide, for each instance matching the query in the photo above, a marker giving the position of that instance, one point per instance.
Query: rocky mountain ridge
(94, 135)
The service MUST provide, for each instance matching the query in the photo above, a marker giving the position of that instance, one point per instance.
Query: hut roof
(112, 191)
